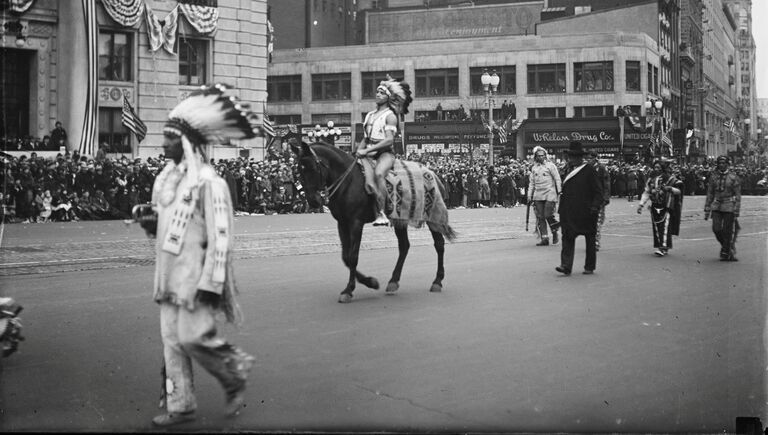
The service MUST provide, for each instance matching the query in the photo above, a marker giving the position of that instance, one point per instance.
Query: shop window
(337, 118)
(593, 76)
(437, 82)
(115, 56)
(331, 86)
(193, 61)
(653, 79)
(546, 78)
(592, 111)
(546, 112)
(286, 119)
(112, 132)
(284, 88)
(633, 75)
(370, 81)
(506, 75)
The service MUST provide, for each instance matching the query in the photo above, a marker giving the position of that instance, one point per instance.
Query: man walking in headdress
(580, 205)
(194, 277)
(723, 204)
(665, 193)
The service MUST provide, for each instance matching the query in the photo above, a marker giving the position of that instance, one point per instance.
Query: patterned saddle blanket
(413, 194)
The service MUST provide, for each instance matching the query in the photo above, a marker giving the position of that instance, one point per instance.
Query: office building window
(331, 86)
(437, 82)
(653, 79)
(371, 80)
(546, 78)
(546, 112)
(506, 79)
(284, 88)
(337, 118)
(633, 75)
(286, 119)
(593, 76)
(193, 61)
(115, 55)
(112, 132)
(592, 111)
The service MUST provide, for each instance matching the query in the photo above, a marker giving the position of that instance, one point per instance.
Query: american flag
(268, 128)
(667, 143)
(132, 122)
(730, 124)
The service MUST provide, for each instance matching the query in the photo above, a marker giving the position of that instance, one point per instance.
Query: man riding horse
(380, 127)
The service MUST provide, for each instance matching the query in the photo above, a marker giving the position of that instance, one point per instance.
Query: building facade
(746, 91)
(553, 72)
(79, 59)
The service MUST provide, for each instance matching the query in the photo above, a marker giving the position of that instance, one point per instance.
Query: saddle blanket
(413, 194)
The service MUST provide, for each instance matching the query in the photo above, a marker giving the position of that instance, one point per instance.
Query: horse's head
(313, 173)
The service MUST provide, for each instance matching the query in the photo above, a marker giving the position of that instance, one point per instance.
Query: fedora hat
(575, 148)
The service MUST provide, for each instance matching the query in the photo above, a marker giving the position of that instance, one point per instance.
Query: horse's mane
(339, 153)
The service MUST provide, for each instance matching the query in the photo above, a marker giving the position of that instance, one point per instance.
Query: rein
(334, 187)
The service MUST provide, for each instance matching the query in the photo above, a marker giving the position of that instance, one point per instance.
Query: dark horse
(323, 166)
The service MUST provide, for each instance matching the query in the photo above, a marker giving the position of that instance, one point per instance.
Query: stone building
(565, 75)
(74, 62)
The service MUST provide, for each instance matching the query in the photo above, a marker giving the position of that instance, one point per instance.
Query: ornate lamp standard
(325, 132)
(653, 108)
(490, 86)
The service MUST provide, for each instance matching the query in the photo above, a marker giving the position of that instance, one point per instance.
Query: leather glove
(639, 209)
(706, 215)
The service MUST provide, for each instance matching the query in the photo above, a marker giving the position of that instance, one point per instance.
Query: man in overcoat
(580, 202)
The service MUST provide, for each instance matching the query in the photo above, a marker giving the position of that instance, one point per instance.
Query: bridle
(323, 169)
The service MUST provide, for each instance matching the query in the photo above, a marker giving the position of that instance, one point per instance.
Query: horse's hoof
(436, 288)
(345, 298)
(373, 283)
(392, 287)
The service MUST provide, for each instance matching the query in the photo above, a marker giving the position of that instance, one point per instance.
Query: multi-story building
(565, 74)
(746, 91)
(692, 73)
(719, 66)
(74, 62)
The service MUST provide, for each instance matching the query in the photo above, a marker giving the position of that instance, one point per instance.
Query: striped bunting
(88, 136)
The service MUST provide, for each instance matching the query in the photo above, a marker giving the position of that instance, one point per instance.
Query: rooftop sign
(450, 23)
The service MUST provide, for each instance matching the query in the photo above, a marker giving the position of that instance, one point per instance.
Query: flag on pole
(132, 122)
(667, 144)
(730, 125)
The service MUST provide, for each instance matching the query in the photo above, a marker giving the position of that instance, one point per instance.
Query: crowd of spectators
(74, 187)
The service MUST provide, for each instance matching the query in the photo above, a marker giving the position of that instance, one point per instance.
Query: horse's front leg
(403, 245)
(350, 235)
(437, 284)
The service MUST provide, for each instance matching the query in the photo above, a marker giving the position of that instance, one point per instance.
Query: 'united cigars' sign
(595, 137)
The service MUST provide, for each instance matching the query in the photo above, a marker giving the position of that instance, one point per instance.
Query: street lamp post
(490, 86)
(653, 107)
(325, 132)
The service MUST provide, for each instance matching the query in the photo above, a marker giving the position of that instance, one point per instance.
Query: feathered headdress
(210, 116)
(399, 94)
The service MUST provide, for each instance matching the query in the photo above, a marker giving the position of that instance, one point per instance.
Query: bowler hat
(575, 149)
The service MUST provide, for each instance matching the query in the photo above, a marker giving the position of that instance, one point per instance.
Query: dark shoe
(660, 253)
(236, 397)
(172, 418)
(543, 242)
(588, 272)
(555, 237)
(563, 270)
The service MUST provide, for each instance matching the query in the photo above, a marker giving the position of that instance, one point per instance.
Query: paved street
(674, 344)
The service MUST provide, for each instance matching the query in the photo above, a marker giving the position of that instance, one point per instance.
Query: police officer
(723, 204)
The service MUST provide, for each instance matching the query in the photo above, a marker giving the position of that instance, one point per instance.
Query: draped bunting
(203, 18)
(88, 136)
(126, 12)
(17, 6)
(162, 35)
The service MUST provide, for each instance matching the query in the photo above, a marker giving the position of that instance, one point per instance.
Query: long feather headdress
(210, 116)
(399, 94)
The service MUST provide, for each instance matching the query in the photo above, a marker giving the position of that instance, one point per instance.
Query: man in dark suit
(580, 202)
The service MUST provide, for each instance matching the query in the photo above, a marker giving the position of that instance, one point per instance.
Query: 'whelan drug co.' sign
(587, 137)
